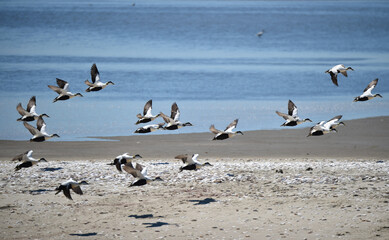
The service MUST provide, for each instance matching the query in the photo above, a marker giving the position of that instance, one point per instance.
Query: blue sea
(204, 55)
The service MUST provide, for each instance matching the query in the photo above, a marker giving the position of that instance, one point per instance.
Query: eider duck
(192, 163)
(147, 116)
(29, 114)
(29, 162)
(123, 159)
(227, 133)
(173, 122)
(62, 90)
(70, 184)
(39, 134)
(149, 128)
(325, 127)
(367, 95)
(338, 69)
(139, 172)
(292, 118)
(96, 85)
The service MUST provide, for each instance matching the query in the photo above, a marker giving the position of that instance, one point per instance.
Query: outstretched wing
(370, 87)
(285, 116)
(332, 121)
(56, 89)
(182, 157)
(89, 83)
(175, 114)
(147, 108)
(62, 84)
(76, 188)
(232, 125)
(31, 105)
(213, 129)
(21, 156)
(21, 110)
(334, 78)
(292, 109)
(30, 128)
(166, 118)
(95, 75)
(128, 167)
(40, 123)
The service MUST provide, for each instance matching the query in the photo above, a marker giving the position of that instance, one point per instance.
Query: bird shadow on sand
(39, 191)
(156, 224)
(49, 169)
(83, 234)
(203, 202)
(141, 216)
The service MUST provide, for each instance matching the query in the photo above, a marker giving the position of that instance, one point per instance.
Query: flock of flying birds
(171, 122)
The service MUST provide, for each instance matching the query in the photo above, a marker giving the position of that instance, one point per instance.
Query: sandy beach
(331, 187)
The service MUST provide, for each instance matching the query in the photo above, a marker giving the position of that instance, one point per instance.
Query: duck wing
(284, 116)
(370, 87)
(94, 72)
(292, 109)
(213, 129)
(175, 113)
(166, 118)
(31, 105)
(66, 192)
(232, 125)
(62, 84)
(76, 188)
(57, 89)
(89, 83)
(334, 78)
(147, 108)
(30, 128)
(182, 157)
(128, 167)
(21, 110)
(40, 123)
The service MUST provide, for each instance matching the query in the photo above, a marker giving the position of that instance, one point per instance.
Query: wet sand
(330, 187)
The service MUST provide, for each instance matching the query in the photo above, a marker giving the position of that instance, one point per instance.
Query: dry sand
(345, 195)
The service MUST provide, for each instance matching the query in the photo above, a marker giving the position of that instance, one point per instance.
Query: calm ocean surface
(204, 55)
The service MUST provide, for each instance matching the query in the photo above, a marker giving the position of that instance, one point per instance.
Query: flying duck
(123, 159)
(39, 134)
(227, 133)
(21, 157)
(260, 33)
(147, 116)
(173, 122)
(325, 127)
(338, 69)
(149, 128)
(292, 118)
(70, 184)
(29, 114)
(29, 162)
(139, 172)
(367, 95)
(96, 85)
(192, 163)
(62, 90)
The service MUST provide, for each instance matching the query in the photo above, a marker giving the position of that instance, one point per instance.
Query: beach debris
(39, 133)
(227, 133)
(29, 114)
(340, 68)
(173, 122)
(96, 85)
(292, 119)
(70, 184)
(367, 95)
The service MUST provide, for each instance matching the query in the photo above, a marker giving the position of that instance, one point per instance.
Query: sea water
(204, 55)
